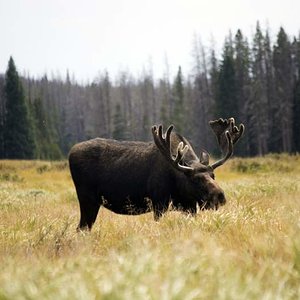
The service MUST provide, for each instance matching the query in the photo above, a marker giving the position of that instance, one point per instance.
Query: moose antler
(227, 134)
(220, 126)
(163, 143)
(228, 154)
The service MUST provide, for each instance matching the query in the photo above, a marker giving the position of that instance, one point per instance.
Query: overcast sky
(89, 36)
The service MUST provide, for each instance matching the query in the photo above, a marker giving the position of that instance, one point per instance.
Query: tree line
(257, 82)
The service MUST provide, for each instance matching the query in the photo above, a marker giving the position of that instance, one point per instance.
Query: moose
(132, 177)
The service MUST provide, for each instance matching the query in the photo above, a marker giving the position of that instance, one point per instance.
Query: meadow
(248, 249)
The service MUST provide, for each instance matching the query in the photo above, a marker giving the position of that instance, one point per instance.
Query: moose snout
(220, 198)
(214, 201)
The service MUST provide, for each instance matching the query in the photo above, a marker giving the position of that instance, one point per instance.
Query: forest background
(257, 82)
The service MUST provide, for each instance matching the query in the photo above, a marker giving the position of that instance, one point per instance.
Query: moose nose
(221, 198)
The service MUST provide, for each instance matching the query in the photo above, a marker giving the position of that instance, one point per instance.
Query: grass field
(248, 249)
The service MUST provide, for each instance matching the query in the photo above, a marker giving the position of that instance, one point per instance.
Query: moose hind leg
(89, 203)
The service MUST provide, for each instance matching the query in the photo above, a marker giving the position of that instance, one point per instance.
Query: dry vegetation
(249, 249)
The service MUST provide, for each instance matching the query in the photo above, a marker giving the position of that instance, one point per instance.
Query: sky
(87, 37)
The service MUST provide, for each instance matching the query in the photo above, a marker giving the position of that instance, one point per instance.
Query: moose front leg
(159, 206)
(158, 210)
(187, 208)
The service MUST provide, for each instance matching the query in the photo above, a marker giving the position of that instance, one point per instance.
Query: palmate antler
(227, 134)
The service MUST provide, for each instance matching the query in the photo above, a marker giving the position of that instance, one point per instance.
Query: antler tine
(181, 151)
(228, 154)
(158, 136)
(165, 145)
(154, 130)
(160, 131)
(168, 134)
(239, 132)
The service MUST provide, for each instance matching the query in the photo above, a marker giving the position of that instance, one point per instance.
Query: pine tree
(284, 88)
(18, 134)
(226, 101)
(179, 111)
(242, 75)
(273, 128)
(242, 67)
(45, 147)
(296, 98)
(214, 75)
(257, 106)
(296, 118)
(2, 115)
(119, 131)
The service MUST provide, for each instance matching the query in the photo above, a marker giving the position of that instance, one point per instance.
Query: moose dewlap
(137, 177)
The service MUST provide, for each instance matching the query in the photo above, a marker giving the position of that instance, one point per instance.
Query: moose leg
(158, 212)
(89, 206)
(190, 208)
(187, 208)
(159, 209)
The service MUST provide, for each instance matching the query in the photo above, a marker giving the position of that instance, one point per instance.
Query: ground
(248, 249)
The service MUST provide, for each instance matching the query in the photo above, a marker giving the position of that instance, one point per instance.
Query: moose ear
(204, 158)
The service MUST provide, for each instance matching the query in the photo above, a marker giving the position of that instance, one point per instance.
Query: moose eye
(212, 176)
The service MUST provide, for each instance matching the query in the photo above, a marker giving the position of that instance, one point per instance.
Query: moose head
(198, 180)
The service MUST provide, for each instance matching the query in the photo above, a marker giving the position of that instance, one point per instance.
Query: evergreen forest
(256, 80)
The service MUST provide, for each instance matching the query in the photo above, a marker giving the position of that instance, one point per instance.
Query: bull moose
(132, 178)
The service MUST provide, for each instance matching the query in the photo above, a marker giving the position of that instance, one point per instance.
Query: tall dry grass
(249, 249)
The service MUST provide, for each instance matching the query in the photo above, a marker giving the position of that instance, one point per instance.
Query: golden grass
(249, 249)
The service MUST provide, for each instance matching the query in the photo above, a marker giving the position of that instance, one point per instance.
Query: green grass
(249, 249)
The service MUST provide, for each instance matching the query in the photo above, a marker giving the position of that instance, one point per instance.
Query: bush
(11, 177)
(269, 163)
(55, 166)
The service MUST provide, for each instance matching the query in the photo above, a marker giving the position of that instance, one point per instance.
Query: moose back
(136, 177)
